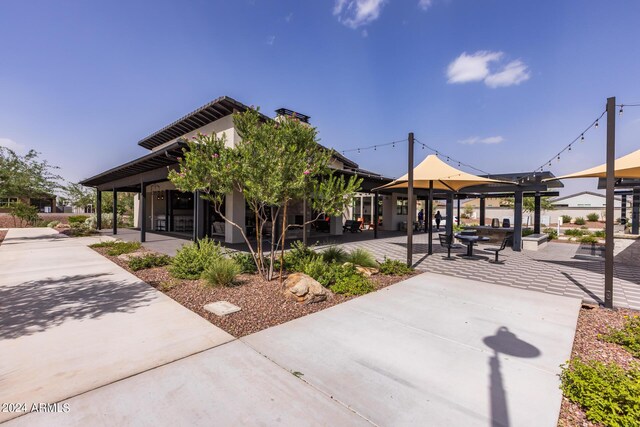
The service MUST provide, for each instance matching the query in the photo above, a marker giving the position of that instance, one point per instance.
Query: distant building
(46, 204)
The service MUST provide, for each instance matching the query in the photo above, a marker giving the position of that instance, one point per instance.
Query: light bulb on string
(569, 148)
(558, 157)
(620, 112)
(447, 158)
(358, 151)
(375, 148)
(393, 145)
(582, 138)
(596, 125)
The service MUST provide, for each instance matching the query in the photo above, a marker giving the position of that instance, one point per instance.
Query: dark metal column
(482, 210)
(376, 213)
(115, 211)
(143, 212)
(635, 211)
(167, 214)
(304, 222)
(517, 221)
(459, 217)
(449, 226)
(623, 210)
(536, 213)
(195, 215)
(98, 209)
(430, 216)
(608, 229)
(411, 205)
(201, 215)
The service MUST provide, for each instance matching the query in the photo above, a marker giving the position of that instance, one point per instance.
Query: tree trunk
(284, 232)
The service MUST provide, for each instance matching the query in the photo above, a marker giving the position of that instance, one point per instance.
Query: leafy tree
(528, 203)
(24, 212)
(274, 163)
(27, 175)
(79, 196)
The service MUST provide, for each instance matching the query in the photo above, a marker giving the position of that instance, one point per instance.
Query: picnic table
(470, 241)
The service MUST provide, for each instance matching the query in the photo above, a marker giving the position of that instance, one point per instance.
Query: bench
(533, 242)
(352, 226)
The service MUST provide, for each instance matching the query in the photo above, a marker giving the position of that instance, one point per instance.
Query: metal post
(166, 210)
(376, 214)
(430, 223)
(115, 211)
(371, 211)
(482, 210)
(459, 217)
(537, 205)
(449, 226)
(410, 203)
(143, 212)
(195, 215)
(635, 211)
(608, 230)
(98, 209)
(304, 221)
(623, 210)
(517, 221)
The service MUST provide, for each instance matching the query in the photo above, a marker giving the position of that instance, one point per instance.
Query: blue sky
(499, 84)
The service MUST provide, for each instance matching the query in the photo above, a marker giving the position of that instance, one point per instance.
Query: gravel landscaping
(3, 233)
(591, 322)
(263, 304)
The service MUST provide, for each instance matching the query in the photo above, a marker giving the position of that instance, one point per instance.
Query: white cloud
(514, 73)
(355, 13)
(425, 4)
(477, 67)
(271, 40)
(12, 145)
(477, 140)
(471, 68)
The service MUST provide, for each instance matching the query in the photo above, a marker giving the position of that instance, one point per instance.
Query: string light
(621, 107)
(596, 125)
(449, 158)
(581, 138)
(569, 148)
(372, 147)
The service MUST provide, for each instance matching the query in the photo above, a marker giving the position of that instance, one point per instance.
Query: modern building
(161, 208)
(45, 204)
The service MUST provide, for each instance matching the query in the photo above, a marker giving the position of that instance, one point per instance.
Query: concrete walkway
(433, 350)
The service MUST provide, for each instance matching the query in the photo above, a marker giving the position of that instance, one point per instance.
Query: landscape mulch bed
(262, 302)
(586, 345)
(3, 233)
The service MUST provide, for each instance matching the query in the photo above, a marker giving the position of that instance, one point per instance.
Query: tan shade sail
(625, 167)
(443, 176)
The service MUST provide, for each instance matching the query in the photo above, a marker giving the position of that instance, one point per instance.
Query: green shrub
(77, 219)
(608, 394)
(221, 271)
(148, 261)
(593, 217)
(551, 232)
(628, 336)
(117, 247)
(334, 254)
(52, 224)
(566, 219)
(589, 239)
(298, 255)
(394, 267)
(192, 258)
(575, 232)
(527, 232)
(105, 244)
(599, 233)
(579, 221)
(26, 213)
(349, 282)
(324, 273)
(362, 257)
(245, 261)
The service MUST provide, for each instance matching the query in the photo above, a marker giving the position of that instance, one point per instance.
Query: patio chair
(352, 226)
(446, 241)
(507, 240)
(322, 226)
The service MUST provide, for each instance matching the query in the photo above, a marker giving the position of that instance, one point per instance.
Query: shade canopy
(443, 176)
(625, 167)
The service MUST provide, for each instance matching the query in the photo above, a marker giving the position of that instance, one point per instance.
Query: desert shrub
(120, 248)
(324, 273)
(298, 256)
(193, 258)
(362, 257)
(334, 254)
(628, 336)
(599, 233)
(608, 394)
(551, 232)
(527, 232)
(394, 267)
(27, 214)
(148, 261)
(593, 217)
(566, 219)
(221, 271)
(245, 261)
(52, 224)
(105, 244)
(107, 221)
(589, 239)
(348, 281)
(575, 232)
(77, 219)
(579, 221)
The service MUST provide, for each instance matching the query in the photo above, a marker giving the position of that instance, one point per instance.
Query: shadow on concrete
(620, 271)
(630, 255)
(36, 306)
(17, 240)
(507, 343)
(583, 288)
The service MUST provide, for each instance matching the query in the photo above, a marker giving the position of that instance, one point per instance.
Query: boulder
(127, 257)
(367, 271)
(304, 289)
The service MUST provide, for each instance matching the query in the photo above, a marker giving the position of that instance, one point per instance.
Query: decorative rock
(367, 271)
(127, 257)
(305, 289)
(221, 308)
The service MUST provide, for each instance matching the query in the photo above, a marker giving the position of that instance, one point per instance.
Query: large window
(6, 202)
(402, 206)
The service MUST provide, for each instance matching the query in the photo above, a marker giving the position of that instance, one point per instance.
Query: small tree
(274, 163)
(80, 196)
(27, 175)
(27, 214)
(528, 203)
